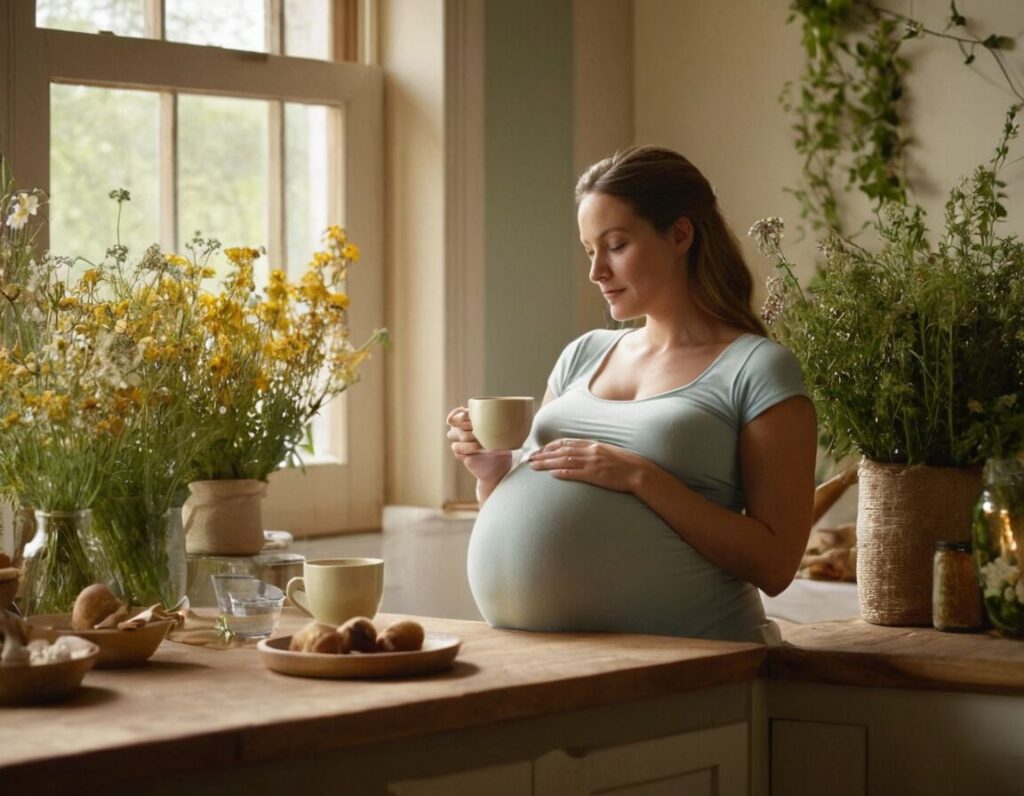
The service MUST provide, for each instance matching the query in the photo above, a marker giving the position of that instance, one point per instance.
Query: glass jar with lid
(956, 598)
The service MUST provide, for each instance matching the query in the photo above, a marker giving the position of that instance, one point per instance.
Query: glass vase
(998, 531)
(62, 558)
(147, 556)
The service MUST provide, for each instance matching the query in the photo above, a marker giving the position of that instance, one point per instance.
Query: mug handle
(296, 587)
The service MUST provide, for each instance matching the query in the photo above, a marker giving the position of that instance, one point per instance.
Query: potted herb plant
(914, 356)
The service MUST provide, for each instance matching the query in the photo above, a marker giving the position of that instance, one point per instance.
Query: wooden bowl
(118, 648)
(34, 685)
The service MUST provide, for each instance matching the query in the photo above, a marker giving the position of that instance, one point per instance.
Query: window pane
(222, 173)
(306, 182)
(307, 28)
(236, 24)
(307, 204)
(102, 139)
(123, 17)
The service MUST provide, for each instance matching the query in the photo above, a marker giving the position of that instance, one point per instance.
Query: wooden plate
(34, 685)
(118, 648)
(439, 651)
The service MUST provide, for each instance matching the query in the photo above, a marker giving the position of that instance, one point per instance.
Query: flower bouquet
(122, 381)
(267, 364)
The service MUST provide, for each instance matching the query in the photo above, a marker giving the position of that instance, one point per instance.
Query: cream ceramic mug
(501, 424)
(333, 590)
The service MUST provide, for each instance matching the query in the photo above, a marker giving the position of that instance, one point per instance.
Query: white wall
(708, 77)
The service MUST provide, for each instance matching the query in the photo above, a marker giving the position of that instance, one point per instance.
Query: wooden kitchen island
(841, 708)
(854, 708)
(519, 713)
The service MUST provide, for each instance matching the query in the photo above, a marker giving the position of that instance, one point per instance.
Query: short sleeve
(770, 375)
(576, 356)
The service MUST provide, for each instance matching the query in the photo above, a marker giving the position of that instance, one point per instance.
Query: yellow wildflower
(351, 252)
(67, 303)
(242, 255)
(11, 420)
(313, 288)
(176, 259)
(337, 301)
(336, 234)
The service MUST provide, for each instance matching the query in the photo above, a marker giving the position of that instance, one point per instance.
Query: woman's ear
(682, 235)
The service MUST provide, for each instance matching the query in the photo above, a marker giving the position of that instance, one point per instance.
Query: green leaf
(956, 19)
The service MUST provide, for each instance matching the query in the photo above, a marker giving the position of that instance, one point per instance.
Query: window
(251, 121)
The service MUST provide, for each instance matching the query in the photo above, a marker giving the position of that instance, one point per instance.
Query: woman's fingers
(459, 418)
(466, 448)
(563, 449)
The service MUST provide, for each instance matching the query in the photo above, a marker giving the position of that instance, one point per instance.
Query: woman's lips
(608, 294)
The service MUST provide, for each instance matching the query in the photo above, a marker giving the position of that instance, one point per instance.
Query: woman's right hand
(488, 467)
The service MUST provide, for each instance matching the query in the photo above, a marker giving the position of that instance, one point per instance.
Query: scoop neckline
(697, 379)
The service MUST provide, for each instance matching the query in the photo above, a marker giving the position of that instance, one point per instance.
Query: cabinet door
(812, 757)
(713, 761)
(513, 779)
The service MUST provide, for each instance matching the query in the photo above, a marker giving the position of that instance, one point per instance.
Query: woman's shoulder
(597, 339)
(765, 372)
(758, 352)
(580, 354)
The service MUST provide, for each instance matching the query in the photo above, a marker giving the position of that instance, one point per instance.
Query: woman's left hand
(597, 463)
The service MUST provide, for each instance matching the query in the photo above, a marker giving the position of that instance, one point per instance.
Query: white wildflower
(775, 300)
(25, 205)
(1009, 595)
(767, 234)
(996, 574)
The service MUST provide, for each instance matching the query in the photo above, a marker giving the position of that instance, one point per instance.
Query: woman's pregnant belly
(559, 555)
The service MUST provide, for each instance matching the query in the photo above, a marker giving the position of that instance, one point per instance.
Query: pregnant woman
(669, 473)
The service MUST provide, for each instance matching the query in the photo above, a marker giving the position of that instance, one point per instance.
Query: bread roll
(307, 638)
(403, 636)
(94, 604)
(358, 635)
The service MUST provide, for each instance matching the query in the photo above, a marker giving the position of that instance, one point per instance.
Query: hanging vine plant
(848, 100)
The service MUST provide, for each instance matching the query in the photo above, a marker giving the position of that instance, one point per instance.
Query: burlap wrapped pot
(224, 517)
(901, 513)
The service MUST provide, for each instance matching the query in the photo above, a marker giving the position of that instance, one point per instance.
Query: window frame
(326, 497)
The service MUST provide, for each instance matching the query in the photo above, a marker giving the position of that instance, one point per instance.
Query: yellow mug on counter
(333, 590)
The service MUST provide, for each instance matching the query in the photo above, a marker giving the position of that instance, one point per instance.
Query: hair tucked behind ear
(661, 186)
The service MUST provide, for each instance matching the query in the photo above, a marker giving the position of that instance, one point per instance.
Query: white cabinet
(513, 779)
(712, 762)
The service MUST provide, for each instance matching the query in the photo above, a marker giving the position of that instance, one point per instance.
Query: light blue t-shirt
(553, 555)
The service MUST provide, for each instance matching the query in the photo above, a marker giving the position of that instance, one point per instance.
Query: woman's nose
(599, 270)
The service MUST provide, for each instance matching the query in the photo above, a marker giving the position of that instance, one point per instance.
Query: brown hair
(661, 186)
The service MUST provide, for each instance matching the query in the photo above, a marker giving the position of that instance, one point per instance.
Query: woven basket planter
(224, 517)
(901, 513)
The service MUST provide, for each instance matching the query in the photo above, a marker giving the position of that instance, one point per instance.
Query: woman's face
(639, 270)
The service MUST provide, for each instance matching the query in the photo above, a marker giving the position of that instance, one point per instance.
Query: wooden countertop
(853, 652)
(197, 708)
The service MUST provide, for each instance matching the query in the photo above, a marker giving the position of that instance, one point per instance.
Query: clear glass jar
(147, 556)
(998, 531)
(956, 598)
(62, 558)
